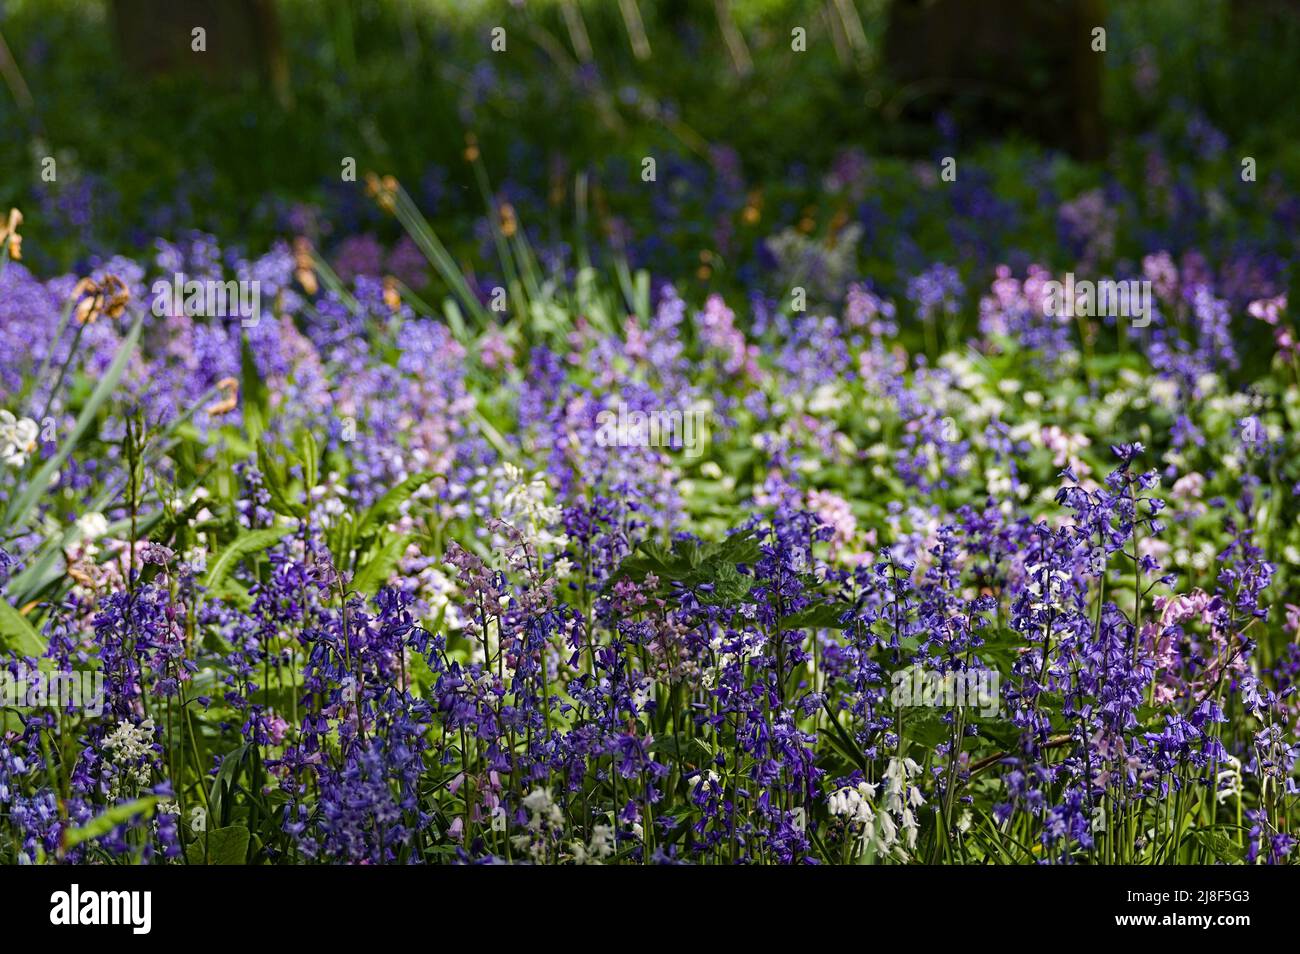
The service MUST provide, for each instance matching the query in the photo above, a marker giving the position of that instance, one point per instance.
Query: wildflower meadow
(675, 491)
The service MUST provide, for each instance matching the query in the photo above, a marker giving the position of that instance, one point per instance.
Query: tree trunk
(242, 39)
(1024, 64)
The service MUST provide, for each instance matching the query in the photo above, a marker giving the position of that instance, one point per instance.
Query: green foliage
(711, 569)
(17, 634)
(248, 542)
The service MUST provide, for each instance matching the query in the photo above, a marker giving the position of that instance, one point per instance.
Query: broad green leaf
(341, 538)
(821, 616)
(224, 783)
(1222, 847)
(375, 572)
(221, 846)
(17, 634)
(250, 541)
(255, 408)
(275, 475)
(309, 451)
(383, 509)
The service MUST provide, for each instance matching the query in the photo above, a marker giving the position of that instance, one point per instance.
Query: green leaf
(730, 586)
(309, 451)
(232, 591)
(44, 569)
(1222, 847)
(40, 481)
(17, 634)
(341, 537)
(256, 404)
(224, 783)
(821, 616)
(383, 508)
(653, 558)
(455, 320)
(925, 726)
(40, 573)
(250, 541)
(841, 739)
(381, 563)
(221, 846)
(275, 475)
(694, 565)
(170, 524)
(117, 815)
(737, 548)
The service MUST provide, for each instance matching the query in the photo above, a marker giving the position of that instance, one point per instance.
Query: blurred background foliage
(246, 140)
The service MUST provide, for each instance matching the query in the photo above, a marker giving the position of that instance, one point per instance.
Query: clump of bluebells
(367, 585)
